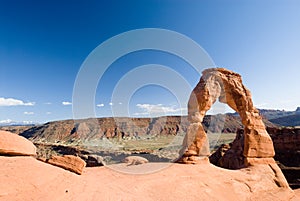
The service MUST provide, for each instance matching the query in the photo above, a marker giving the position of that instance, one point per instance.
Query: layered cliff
(67, 131)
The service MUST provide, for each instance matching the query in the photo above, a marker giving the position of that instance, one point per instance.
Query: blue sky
(44, 43)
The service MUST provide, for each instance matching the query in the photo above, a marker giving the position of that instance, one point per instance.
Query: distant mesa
(124, 128)
(289, 120)
(282, 117)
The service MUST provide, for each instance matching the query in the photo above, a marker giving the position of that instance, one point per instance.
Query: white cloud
(110, 103)
(6, 121)
(100, 105)
(27, 122)
(66, 103)
(14, 102)
(159, 109)
(141, 114)
(48, 103)
(11, 122)
(48, 112)
(29, 113)
(120, 103)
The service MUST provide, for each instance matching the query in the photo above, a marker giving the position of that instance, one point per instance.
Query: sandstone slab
(135, 160)
(15, 145)
(68, 162)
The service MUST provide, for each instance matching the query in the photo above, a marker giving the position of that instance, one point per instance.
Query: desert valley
(155, 100)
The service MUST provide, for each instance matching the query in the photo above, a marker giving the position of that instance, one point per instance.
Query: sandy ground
(297, 197)
(25, 178)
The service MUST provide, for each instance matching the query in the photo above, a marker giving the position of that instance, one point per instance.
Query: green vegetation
(216, 139)
(152, 143)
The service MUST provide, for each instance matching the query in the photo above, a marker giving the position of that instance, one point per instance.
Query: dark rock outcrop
(230, 156)
(287, 147)
(93, 160)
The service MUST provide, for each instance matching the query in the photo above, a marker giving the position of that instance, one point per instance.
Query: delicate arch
(227, 86)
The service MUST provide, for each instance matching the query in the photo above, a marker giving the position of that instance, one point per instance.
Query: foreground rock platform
(24, 178)
(13, 145)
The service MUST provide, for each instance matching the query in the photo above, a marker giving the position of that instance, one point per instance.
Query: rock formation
(286, 140)
(14, 145)
(135, 160)
(287, 147)
(227, 86)
(68, 162)
(233, 158)
(93, 160)
(68, 131)
(24, 178)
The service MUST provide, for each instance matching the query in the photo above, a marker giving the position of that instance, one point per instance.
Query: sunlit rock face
(227, 87)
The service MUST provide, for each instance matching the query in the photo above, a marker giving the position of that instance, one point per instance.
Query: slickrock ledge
(68, 162)
(25, 178)
(14, 145)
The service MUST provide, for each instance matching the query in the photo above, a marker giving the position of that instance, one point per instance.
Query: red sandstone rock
(259, 161)
(14, 145)
(24, 178)
(68, 162)
(233, 157)
(287, 147)
(135, 160)
(227, 86)
(297, 195)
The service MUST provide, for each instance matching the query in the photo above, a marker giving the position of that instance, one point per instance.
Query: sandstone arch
(227, 86)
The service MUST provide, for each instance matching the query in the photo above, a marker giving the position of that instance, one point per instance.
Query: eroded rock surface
(135, 160)
(227, 86)
(86, 130)
(68, 162)
(230, 156)
(93, 160)
(287, 148)
(24, 178)
(14, 145)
